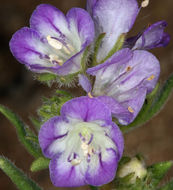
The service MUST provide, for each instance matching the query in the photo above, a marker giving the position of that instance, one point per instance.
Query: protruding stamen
(145, 3)
(54, 43)
(151, 77)
(130, 109)
(90, 95)
(128, 69)
(55, 59)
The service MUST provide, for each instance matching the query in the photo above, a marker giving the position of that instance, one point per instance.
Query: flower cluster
(83, 143)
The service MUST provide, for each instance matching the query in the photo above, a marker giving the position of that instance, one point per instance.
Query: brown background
(20, 92)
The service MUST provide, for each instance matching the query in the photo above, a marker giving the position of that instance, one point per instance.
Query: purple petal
(86, 109)
(90, 5)
(127, 81)
(134, 101)
(103, 171)
(85, 83)
(117, 109)
(153, 36)
(48, 20)
(117, 137)
(27, 47)
(51, 135)
(63, 174)
(80, 20)
(113, 18)
(124, 55)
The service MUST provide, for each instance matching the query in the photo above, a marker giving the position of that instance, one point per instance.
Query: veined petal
(113, 18)
(153, 36)
(81, 23)
(48, 20)
(127, 81)
(102, 170)
(118, 110)
(90, 5)
(86, 109)
(64, 174)
(51, 136)
(85, 83)
(27, 47)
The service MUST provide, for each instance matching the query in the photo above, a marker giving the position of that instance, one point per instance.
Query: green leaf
(157, 171)
(17, 176)
(36, 123)
(40, 164)
(51, 107)
(21, 130)
(168, 186)
(154, 102)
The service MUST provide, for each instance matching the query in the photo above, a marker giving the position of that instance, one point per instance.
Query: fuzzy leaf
(21, 130)
(17, 176)
(157, 171)
(40, 164)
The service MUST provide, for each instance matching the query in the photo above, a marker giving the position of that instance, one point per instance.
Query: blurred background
(21, 93)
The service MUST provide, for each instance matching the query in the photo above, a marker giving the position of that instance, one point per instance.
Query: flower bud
(133, 166)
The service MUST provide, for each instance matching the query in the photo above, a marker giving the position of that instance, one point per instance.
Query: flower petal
(81, 23)
(27, 47)
(113, 18)
(51, 136)
(48, 20)
(154, 36)
(117, 109)
(102, 171)
(85, 83)
(64, 174)
(86, 109)
(127, 81)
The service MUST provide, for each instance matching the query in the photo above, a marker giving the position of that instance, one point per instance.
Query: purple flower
(113, 17)
(54, 42)
(84, 145)
(126, 77)
(152, 37)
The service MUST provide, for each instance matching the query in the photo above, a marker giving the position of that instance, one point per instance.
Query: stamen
(54, 43)
(55, 59)
(70, 47)
(128, 69)
(130, 109)
(145, 3)
(66, 50)
(90, 95)
(151, 77)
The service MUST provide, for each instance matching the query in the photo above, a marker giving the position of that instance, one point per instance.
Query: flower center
(61, 50)
(88, 139)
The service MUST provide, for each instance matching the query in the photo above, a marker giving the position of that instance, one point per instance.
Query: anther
(75, 162)
(128, 69)
(151, 77)
(145, 3)
(54, 43)
(90, 95)
(130, 109)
